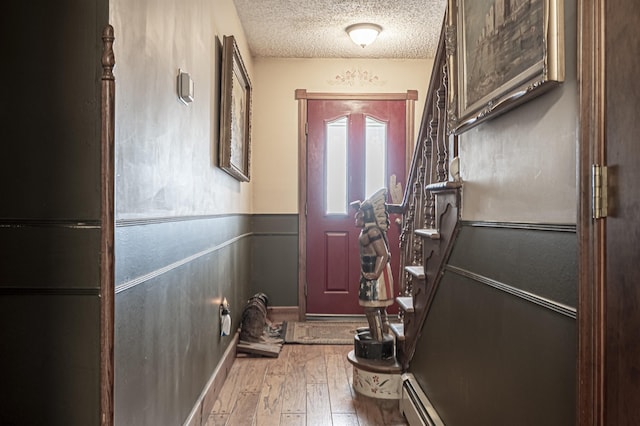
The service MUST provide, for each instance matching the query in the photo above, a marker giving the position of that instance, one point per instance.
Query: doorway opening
(349, 145)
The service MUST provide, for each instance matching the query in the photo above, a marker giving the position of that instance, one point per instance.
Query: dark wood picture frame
(502, 53)
(235, 113)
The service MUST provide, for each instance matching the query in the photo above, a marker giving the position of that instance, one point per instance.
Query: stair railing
(420, 209)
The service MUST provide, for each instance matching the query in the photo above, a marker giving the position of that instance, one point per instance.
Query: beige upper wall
(519, 167)
(226, 22)
(275, 113)
(166, 151)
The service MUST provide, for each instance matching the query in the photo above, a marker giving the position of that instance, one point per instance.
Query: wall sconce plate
(185, 87)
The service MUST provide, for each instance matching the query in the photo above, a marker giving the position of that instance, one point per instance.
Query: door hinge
(598, 191)
(306, 128)
(305, 289)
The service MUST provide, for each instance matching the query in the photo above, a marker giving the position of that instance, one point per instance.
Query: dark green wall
(50, 212)
(275, 258)
(171, 276)
(499, 344)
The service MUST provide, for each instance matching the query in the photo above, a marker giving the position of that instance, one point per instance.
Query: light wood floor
(305, 385)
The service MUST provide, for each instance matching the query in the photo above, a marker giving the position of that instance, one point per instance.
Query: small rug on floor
(321, 332)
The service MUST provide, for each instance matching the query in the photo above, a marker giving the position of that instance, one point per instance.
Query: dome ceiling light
(363, 34)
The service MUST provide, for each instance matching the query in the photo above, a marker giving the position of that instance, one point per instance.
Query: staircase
(430, 213)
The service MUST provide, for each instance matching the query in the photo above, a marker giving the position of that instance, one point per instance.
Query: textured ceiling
(316, 28)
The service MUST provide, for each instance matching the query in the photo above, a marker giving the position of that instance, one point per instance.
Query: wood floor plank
(245, 409)
(217, 420)
(289, 419)
(348, 368)
(345, 419)
(294, 393)
(246, 375)
(309, 385)
(315, 368)
(270, 401)
(297, 350)
(339, 386)
(343, 350)
(368, 413)
(318, 405)
(229, 391)
(278, 366)
(253, 371)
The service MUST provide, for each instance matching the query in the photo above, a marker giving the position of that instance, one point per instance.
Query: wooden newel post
(107, 276)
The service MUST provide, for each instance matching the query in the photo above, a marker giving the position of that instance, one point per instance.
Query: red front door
(354, 147)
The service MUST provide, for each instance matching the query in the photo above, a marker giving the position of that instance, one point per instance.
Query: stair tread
(398, 330)
(416, 271)
(434, 234)
(406, 303)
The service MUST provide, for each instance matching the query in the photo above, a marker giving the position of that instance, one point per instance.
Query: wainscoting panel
(538, 259)
(168, 341)
(148, 247)
(275, 258)
(499, 343)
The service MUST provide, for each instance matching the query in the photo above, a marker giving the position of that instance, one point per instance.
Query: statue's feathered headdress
(375, 208)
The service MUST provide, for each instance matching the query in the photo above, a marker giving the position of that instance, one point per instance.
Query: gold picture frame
(235, 113)
(501, 53)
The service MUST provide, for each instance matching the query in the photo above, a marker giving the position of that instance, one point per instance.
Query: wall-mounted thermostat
(185, 87)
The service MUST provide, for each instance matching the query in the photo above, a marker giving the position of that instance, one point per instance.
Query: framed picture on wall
(502, 53)
(235, 113)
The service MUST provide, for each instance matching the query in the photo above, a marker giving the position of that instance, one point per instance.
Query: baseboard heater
(415, 405)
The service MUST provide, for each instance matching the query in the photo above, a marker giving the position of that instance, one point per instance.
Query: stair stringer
(435, 257)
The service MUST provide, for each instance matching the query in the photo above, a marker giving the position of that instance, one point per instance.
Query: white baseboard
(415, 405)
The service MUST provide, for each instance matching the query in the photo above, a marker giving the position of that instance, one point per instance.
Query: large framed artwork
(501, 53)
(235, 113)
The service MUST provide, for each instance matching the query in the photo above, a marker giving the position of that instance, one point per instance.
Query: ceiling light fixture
(363, 34)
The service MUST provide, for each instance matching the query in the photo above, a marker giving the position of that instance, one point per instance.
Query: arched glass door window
(336, 167)
(375, 155)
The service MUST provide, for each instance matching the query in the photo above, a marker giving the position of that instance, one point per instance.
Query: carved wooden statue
(376, 281)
